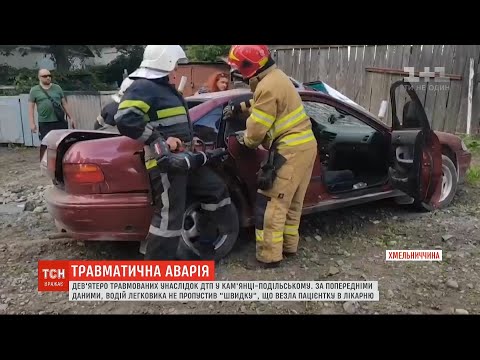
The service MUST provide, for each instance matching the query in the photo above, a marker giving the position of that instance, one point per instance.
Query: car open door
(416, 167)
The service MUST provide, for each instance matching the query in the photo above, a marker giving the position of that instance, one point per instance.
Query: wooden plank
(470, 95)
(434, 86)
(332, 67)
(415, 62)
(462, 114)
(395, 71)
(476, 101)
(378, 80)
(281, 59)
(455, 93)
(294, 63)
(424, 66)
(288, 62)
(359, 73)
(314, 64)
(367, 83)
(341, 76)
(290, 47)
(440, 109)
(476, 98)
(395, 53)
(305, 64)
(323, 64)
(401, 95)
(298, 65)
(350, 83)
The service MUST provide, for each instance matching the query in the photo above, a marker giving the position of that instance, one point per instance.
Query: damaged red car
(101, 189)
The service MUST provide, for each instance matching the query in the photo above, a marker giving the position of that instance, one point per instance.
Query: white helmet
(125, 84)
(163, 57)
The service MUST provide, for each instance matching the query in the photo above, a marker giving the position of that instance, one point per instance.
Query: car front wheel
(449, 181)
(449, 184)
(223, 244)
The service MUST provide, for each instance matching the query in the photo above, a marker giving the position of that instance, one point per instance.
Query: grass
(472, 143)
(473, 175)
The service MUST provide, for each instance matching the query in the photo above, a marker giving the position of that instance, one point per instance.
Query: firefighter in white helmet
(154, 113)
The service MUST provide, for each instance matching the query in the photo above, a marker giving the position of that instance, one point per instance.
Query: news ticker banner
(183, 281)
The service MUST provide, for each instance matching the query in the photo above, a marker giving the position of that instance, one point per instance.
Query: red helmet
(248, 59)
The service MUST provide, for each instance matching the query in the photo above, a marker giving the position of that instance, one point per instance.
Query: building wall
(197, 74)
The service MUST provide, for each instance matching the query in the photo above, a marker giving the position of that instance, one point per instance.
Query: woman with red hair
(216, 82)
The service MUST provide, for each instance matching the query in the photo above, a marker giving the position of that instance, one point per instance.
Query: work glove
(160, 148)
(229, 110)
(240, 137)
(185, 161)
(216, 154)
(234, 106)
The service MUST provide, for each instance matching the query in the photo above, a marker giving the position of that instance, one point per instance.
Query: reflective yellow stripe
(151, 164)
(277, 236)
(290, 120)
(263, 114)
(290, 230)
(179, 110)
(262, 117)
(139, 104)
(297, 139)
(261, 121)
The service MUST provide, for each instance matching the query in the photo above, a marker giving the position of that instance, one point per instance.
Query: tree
(206, 52)
(62, 55)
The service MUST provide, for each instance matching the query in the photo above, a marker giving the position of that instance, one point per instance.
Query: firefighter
(279, 123)
(107, 115)
(154, 113)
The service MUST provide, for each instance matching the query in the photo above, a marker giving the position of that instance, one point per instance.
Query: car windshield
(327, 116)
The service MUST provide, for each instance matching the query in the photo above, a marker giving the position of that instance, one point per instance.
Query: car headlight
(464, 147)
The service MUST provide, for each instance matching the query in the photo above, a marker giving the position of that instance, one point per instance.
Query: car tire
(449, 185)
(224, 244)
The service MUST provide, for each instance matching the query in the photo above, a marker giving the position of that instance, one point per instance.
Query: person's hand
(74, 123)
(240, 137)
(228, 111)
(174, 143)
(33, 127)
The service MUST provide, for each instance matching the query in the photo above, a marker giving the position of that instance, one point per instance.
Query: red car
(102, 192)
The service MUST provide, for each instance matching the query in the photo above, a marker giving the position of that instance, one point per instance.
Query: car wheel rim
(190, 231)
(447, 182)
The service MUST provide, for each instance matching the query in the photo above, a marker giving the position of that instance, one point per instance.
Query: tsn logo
(53, 275)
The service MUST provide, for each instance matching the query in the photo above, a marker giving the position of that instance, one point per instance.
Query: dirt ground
(348, 244)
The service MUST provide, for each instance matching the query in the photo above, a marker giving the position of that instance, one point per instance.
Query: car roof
(215, 98)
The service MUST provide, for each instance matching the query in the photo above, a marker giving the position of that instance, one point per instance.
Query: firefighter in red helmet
(279, 123)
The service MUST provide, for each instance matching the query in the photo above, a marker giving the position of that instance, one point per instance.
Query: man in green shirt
(47, 120)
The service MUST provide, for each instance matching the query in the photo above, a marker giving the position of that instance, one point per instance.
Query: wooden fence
(364, 73)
